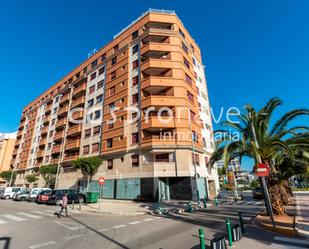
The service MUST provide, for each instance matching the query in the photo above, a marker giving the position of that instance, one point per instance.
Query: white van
(9, 192)
(34, 193)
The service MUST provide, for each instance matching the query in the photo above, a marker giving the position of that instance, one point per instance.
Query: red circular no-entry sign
(262, 170)
(101, 180)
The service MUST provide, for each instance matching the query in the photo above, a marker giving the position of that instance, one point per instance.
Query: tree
(7, 175)
(272, 144)
(49, 173)
(31, 178)
(88, 166)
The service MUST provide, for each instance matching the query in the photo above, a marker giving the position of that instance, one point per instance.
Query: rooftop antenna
(92, 52)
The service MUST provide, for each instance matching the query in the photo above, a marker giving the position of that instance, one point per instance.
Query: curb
(283, 231)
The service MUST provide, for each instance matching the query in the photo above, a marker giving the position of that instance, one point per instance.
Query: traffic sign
(101, 180)
(262, 170)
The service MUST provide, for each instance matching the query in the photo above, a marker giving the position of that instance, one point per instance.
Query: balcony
(46, 120)
(19, 134)
(44, 130)
(156, 55)
(48, 109)
(63, 110)
(154, 81)
(42, 142)
(56, 149)
(74, 130)
(40, 154)
(157, 72)
(156, 39)
(65, 99)
(79, 89)
(59, 135)
(157, 139)
(70, 157)
(61, 122)
(163, 101)
(154, 123)
(78, 115)
(71, 145)
(162, 26)
(159, 67)
(79, 102)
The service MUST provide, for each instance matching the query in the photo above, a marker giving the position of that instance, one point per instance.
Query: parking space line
(42, 245)
(30, 215)
(41, 213)
(119, 226)
(149, 219)
(69, 225)
(135, 222)
(73, 237)
(2, 222)
(13, 217)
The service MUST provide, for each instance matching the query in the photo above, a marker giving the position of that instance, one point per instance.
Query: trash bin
(92, 197)
(236, 233)
(218, 243)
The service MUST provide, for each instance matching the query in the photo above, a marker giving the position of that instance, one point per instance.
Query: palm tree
(277, 145)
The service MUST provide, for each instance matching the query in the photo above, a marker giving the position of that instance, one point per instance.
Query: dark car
(257, 193)
(43, 196)
(55, 196)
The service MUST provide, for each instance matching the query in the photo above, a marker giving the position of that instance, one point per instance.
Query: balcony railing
(74, 130)
(58, 135)
(74, 144)
(61, 122)
(78, 102)
(65, 99)
(79, 89)
(56, 149)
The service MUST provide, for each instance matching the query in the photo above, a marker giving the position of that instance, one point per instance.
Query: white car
(34, 193)
(10, 191)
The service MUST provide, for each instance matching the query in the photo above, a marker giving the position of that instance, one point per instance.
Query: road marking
(149, 219)
(42, 245)
(240, 202)
(119, 226)
(250, 202)
(103, 230)
(297, 241)
(30, 215)
(69, 225)
(45, 214)
(135, 222)
(73, 237)
(227, 215)
(13, 217)
(274, 245)
(2, 222)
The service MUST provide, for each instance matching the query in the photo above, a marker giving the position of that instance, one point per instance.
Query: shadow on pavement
(7, 241)
(99, 233)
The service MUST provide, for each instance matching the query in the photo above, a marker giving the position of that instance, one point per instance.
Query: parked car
(55, 196)
(34, 193)
(43, 196)
(21, 195)
(257, 193)
(10, 191)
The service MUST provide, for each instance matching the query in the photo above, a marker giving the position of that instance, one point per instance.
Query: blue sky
(252, 50)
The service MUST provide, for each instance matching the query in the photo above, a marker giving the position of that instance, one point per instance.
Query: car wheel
(58, 202)
(23, 199)
(7, 197)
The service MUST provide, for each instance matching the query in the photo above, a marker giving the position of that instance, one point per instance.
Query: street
(28, 225)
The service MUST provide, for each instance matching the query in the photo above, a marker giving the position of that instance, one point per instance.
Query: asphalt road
(28, 225)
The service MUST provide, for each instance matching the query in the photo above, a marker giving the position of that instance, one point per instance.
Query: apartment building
(7, 143)
(141, 104)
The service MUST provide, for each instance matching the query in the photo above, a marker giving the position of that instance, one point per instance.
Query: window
(94, 63)
(135, 49)
(111, 106)
(194, 137)
(54, 110)
(96, 130)
(188, 79)
(135, 64)
(181, 33)
(192, 115)
(135, 138)
(86, 149)
(190, 97)
(135, 80)
(46, 159)
(91, 89)
(198, 91)
(87, 133)
(193, 60)
(95, 148)
(85, 70)
(135, 160)
(109, 143)
(134, 34)
(116, 48)
(49, 146)
(195, 159)
(51, 133)
(99, 99)
(187, 64)
(93, 75)
(135, 98)
(100, 84)
(206, 160)
(97, 114)
(114, 60)
(90, 103)
(112, 90)
(185, 48)
(162, 158)
(110, 164)
(110, 124)
(103, 57)
(113, 75)
(53, 121)
(101, 70)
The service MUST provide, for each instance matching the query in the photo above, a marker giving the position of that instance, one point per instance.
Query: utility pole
(265, 189)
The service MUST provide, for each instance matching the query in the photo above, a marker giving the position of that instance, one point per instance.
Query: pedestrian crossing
(240, 203)
(289, 243)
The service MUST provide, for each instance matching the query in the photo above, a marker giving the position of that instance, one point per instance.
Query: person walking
(64, 205)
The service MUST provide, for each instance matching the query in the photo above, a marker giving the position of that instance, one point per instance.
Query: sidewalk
(117, 207)
(302, 216)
